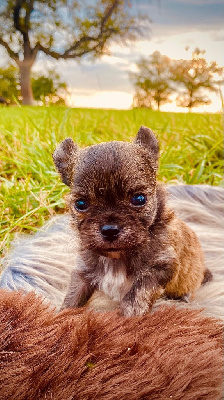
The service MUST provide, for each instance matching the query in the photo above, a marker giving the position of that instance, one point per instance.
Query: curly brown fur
(135, 253)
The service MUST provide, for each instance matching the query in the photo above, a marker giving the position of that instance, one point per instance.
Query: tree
(194, 77)
(9, 83)
(61, 29)
(49, 89)
(152, 81)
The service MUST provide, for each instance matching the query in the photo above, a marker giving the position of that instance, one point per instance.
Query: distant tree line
(47, 88)
(157, 81)
(158, 78)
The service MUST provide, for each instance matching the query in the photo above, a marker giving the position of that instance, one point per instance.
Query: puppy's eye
(138, 200)
(81, 205)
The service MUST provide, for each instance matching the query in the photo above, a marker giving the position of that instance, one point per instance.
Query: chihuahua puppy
(132, 246)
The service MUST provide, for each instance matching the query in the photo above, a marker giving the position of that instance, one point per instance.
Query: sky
(176, 24)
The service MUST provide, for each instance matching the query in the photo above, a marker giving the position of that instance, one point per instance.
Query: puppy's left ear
(64, 158)
(147, 139)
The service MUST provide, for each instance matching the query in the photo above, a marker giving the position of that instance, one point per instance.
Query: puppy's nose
(110, 232)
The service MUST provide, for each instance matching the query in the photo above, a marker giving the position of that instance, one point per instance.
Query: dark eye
(81, 205)
(138, 200)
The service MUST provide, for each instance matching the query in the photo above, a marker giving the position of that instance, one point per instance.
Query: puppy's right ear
(64, 158)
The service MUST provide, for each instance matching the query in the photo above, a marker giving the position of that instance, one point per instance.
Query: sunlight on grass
(31, 191)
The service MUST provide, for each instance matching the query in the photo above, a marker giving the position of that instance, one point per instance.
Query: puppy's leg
(146, 290)
(78, 293)
(139, 300)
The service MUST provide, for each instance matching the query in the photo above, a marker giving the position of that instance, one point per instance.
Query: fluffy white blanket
(43, 262)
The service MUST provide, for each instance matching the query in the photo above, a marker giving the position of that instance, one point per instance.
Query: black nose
(110, 232)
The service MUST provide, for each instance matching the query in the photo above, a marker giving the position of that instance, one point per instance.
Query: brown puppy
(132, 246)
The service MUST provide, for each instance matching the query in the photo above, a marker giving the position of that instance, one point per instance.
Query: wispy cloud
(180, 14)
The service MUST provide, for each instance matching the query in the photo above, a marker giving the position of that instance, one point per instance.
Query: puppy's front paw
(129, 309)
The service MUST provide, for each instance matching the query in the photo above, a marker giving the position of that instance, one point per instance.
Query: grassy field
(31, 191)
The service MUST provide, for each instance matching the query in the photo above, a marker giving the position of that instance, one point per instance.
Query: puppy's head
(113, 191)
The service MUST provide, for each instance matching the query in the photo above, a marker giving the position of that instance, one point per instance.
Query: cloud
(182, 14)
(217, 36)
(199, 2)
(105, 74)
(174, 45)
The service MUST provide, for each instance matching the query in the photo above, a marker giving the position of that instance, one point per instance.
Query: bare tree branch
(28, 13)
(84, 39)
(24, 29)
(16, 16)
(108, 12)
(101, 38)
(65, 55)
(11, 53)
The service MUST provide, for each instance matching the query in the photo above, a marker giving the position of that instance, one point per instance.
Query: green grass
(31, 191)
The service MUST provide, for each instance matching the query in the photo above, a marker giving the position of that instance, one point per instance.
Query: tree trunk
(25, 82)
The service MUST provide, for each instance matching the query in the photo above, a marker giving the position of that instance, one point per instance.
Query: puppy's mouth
(111, 252)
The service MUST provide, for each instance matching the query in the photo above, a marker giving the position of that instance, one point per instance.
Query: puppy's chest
(114, 281)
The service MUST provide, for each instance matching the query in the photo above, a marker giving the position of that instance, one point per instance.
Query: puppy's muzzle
(110, 232)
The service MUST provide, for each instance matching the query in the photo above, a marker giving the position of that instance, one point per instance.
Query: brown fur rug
(78, 354)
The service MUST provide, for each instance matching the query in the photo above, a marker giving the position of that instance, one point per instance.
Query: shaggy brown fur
(82, 355)
(149, 251)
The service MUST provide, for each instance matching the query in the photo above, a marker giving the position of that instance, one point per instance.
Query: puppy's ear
(64, 158)
(146, 138)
